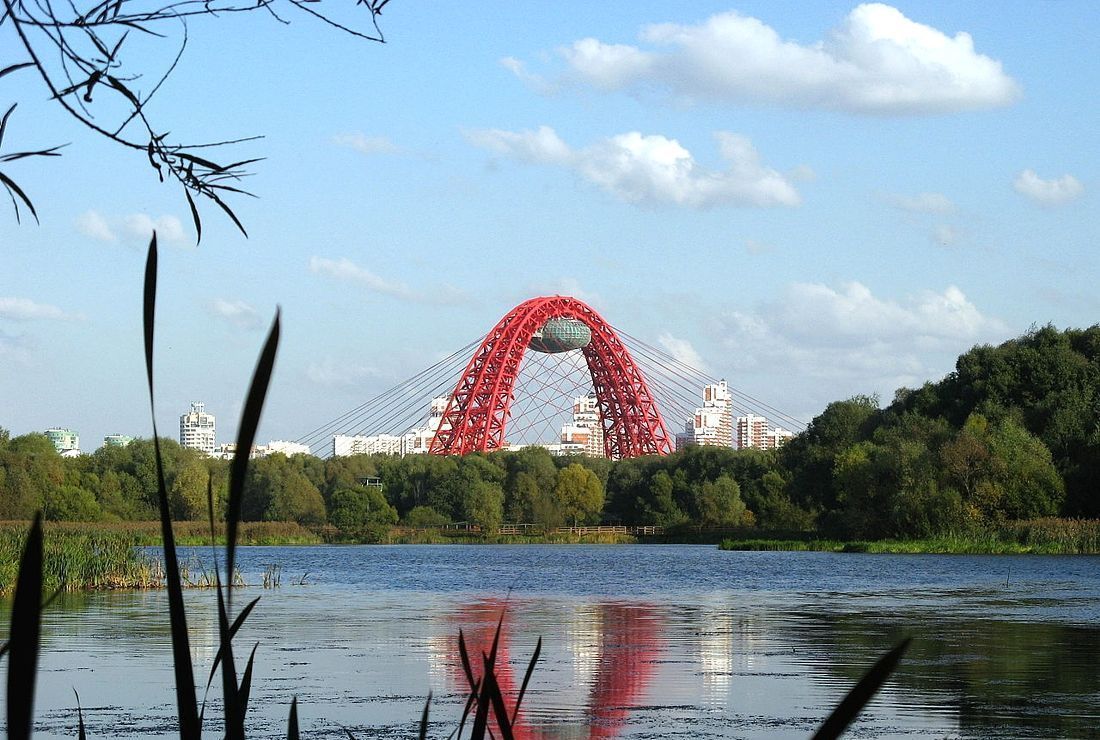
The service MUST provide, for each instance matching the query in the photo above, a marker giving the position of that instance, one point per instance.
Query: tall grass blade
(81, 735)
(234, 721)
(292, 721)
(862, 693)
(526, 680)
(496, 699)
(475, 686)
(457, 732)
(424, 718)
(187, 710)
(246, 435)
(233, 628)
(26, 624)
(464, 654)
(481, 717)
(246, 682)
(496, 640)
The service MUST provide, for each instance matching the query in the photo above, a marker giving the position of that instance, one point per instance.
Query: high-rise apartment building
(117, 440)
(776, 438)
(712, 423)
(752, 431)
(197, 431)
(64, 440)
(584, 434)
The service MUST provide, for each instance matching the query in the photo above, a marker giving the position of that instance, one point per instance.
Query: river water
(637, 641)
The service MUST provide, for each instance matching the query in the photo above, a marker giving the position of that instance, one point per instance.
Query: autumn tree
(579, 495)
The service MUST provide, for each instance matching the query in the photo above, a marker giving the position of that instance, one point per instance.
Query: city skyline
(834, 221)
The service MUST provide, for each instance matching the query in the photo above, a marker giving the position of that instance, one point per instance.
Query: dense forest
(1013, 433)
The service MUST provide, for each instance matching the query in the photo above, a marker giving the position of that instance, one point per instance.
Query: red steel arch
(477, 411)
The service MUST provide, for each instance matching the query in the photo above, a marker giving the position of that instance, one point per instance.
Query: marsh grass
(485, 708)
(1050, 536)
(74, 560)
(187, 533)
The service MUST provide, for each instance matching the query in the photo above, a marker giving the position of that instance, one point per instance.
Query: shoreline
(109, 555)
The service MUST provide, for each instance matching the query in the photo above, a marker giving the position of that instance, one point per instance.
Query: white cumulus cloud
(876, 61)
(24, 309)
(856, 340)
(1053, 192)
(94, 226)
(683, 351)
(651, 169)
(134, 228)
(339, 373)
(237, 313)
(345, 270)
(140, 227)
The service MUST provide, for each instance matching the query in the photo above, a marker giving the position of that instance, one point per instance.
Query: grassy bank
(401, 536)
(75, 559)
(1048, 536)
(190, 533)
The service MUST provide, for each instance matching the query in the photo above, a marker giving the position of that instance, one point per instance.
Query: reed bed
(1058, 536)
(1049, 536)
(74, 560)
(190, 533)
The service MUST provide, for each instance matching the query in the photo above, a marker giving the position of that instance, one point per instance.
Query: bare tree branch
(78, 53)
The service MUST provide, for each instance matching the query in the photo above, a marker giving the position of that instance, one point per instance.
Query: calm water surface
(638, 641)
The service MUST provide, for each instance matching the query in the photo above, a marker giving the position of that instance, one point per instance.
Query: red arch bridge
(552, 372)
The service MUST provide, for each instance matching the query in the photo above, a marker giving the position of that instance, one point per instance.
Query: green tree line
(1013, 433)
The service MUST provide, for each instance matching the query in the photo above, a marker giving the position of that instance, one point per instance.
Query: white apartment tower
(197, 429)
(585, 433)
(752, 432)
(712, 423)
(776, 438)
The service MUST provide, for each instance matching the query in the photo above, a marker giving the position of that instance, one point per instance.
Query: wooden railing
(524, 529)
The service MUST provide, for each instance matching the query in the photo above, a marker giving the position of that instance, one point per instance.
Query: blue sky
(811, 201)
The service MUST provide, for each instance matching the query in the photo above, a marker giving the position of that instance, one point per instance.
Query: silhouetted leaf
(481, 717)
(228, 212)
(126, 92)
(237, 623)
(4, 121)
(862, 693)
(246, 435)
(187, 711)
(526, 679)
(292, 721)
(464, 655)
(496, 699)
(15, 191)
(234, 720)
(194, 216)
(81, 735)
(246, 681)
(424, 718)
(26, 624)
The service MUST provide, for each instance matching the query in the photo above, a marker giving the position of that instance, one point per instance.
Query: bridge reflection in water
(615, 652)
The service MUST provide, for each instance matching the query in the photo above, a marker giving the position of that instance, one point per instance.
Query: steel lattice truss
(478, 410)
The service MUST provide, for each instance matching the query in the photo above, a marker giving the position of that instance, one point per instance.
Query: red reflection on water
(627, 644)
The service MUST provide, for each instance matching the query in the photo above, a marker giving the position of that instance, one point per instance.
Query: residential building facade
(198, 430)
